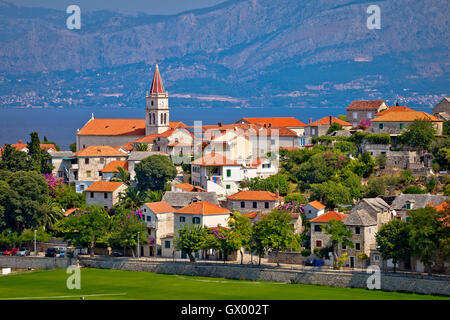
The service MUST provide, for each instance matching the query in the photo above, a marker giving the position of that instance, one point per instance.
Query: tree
(339, 234)
(190, 239)
(242, 230)
(41, 235)
(121, 175)
(141, 147)
(226, 240)
(352, 181)
(380, 160)
(52, 213)
(431, 184)
(125, 226)
(34, 151)
(256, 240)
(14, 160)
(429, 235)
(297, 197)
(132, 198)
(24, 195)
(414, 190)
(393, 241)
(375, 187)
(67, 198)
(154, 172)
(331, 194)
(365, 165)
(274, 183)
(86, 229)
(73, 147)
(278, 232)
(418, 134)
(334, 127)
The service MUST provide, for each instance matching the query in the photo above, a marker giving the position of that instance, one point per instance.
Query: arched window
(152, 102)
(154, 121)
(165, 118)
(162, 116)
(196, 220)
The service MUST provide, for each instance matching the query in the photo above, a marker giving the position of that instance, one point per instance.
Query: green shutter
(228, 172)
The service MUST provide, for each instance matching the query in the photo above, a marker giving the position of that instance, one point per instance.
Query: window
(317, 228)
(380, 126)
(266, 166)
(266, 205)
(228, 172)
(401, 126)
(357, 230)
(344, 247)
(105, 195)
(100, 174)
(357, 246)
(228, 186)
(376, 257)
(355, 115)
(152, 102)
(60, 174)
(149, 218)
(182, 219)
(86, 160)
(102, 160)
(313, 131)
(369, 115)
(319, 243)
(255, 204)
(92, 194)
(88, 173)
(196, 220)
(242, 204)
(167, 244)
(81, 187)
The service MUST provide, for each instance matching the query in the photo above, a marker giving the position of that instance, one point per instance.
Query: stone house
(200, 213)
(314, 209)
(159, 217)
(359, 111)
(442, 109)
(62, 161)
(90, 162)
(318, 238)
(296, 222)
(250, 201)
(186, 187)
(104, 193)
(404, 202)
(364, 228)
(287, 122)
(377, 208)
(320, 127)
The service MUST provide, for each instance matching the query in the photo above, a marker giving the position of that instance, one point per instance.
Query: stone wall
(287, 258)
(355, 279)
(35, 262)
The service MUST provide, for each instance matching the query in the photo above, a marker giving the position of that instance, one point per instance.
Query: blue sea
(60, 124)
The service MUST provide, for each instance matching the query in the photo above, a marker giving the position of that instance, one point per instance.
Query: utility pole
(35, 252)
(138, 249)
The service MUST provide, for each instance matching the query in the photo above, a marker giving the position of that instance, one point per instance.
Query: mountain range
(240, 54)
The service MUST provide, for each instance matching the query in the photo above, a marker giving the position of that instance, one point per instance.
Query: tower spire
(157, 84)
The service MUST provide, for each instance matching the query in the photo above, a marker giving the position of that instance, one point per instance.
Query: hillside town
(344, 192)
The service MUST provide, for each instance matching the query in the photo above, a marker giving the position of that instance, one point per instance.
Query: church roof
(157, 84)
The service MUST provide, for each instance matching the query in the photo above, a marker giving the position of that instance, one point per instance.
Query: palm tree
(141, 147)
(121, 175)
(154, 195)
(132, 198)
(53, 213)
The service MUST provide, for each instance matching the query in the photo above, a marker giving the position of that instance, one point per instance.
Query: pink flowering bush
(137, 213)
(292, 207)
(53, 183)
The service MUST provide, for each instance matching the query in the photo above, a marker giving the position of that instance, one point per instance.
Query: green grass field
(115, 284)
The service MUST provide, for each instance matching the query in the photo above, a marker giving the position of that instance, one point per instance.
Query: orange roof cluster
(189, 187)
(277, 122)
(393, 109)
(255, 195)
(104, 186)
(406, 116)
(316, 204)
(327, 216)
(100, 151)
(215, 159)
(203, 208)
(114, 165)
(326, 121)
(160, 207)
(365, 105)
(114, 127)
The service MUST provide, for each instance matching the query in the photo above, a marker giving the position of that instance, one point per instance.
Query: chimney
(270, 125)
(265, 125)
(331, 119)
(20, 141)
(309, 121)
(220, 124)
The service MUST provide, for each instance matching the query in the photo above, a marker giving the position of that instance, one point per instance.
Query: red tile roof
(252, 215)
(277, 122)
(393, 109)
(215, 159)
(203, 208)
(160, 207)
(189, 187)
(406, 116)
(114, 127)
(316, 204)
(157, 84)
(104, 186)
(114, 165)
(255, 195)
(365, 105)
(327, 216)
(326, 121)
(68, 212)
(100, 151)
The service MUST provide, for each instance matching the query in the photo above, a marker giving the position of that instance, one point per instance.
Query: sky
(147, 6)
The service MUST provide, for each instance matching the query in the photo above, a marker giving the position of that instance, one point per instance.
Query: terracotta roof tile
(326, 122)
(255, 195)
(160, 207)
(215, 159)
(100, 151)
(316, 204)
(114, 127)
(327, 216)
(277, 121)
(189, 187)
(203, 208)
(393, 109)
(68, 212)
(114, 165)
(365, 105)
(406, 116)
(104, 186)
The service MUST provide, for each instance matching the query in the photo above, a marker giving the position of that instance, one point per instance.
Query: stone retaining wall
(355, 279)
(35, 262)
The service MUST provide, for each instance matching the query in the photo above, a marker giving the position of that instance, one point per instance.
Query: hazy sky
(147, 6)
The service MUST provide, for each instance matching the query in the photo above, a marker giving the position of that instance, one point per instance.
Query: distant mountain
(238, 53)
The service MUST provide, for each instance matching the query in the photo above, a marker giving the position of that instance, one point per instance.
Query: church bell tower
(157, 107)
